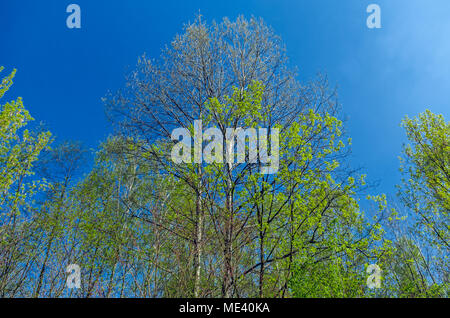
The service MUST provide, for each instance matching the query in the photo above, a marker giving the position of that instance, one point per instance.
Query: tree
(418, 263)
(205, 62)
(425, 166)
(253, 226)
(60, 167)
(412, 267)
(19, 150)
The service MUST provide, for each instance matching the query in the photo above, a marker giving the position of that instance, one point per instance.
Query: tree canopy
(139, 224)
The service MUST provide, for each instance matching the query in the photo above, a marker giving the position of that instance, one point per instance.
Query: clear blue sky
(382, 74)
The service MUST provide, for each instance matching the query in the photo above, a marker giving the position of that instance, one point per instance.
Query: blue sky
(382, 74)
